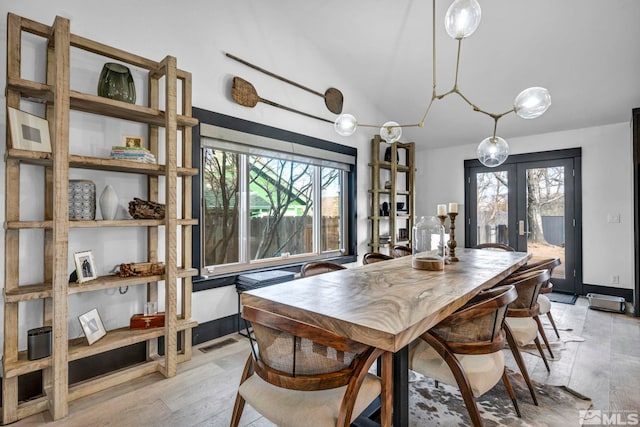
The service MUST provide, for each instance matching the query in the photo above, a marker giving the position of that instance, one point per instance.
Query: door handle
(521, 227)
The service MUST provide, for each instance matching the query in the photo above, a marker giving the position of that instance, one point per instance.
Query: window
(267, 202)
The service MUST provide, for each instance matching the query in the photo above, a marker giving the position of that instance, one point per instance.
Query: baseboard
(213, 329)
(627, 294)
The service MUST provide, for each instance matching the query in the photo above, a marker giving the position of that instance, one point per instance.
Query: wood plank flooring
(605, 367)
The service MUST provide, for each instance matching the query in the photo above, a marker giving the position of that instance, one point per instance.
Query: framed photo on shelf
(85, 266)
(133, 141)
(92, 326)
(29, 132)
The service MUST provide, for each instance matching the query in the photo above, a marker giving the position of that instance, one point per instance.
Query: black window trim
(201, 283)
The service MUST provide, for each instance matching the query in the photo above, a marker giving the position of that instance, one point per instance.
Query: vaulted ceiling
(586, 52)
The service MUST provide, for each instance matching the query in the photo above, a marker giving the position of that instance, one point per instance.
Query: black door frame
(575, 154)
(636, 206)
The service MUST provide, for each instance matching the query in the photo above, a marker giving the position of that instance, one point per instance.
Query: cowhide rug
(558, 406)
(558, 346)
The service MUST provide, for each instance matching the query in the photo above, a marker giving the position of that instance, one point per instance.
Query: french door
(531, 203)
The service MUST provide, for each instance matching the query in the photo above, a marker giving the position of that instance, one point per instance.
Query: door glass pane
(493, 205)
(220, 226)
(330, 231)
(280, 207)
(545, 215)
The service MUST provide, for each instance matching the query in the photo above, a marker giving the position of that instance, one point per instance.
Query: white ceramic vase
(108, 203)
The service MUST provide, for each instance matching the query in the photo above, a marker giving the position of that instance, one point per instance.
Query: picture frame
(92, 326)
(85, 266)
(133, 141)
(28, 131)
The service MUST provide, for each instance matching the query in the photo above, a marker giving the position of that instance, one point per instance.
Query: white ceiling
(586, 52)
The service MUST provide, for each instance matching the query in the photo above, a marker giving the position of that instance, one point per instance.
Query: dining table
(388, 304)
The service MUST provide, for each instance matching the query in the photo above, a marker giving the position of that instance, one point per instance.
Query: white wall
(198, 33)
(606, 189)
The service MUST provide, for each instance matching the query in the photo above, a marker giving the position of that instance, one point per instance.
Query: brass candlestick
(452, 237)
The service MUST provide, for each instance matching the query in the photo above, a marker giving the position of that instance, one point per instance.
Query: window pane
(221, 221)
(330, 231)
(493, 205)
(280, 206)
(545, 215)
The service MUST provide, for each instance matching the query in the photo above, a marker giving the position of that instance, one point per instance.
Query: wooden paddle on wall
(333, 98)
(245, 94)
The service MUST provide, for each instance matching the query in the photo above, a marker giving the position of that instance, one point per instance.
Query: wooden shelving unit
(398, 169)
(59, 99)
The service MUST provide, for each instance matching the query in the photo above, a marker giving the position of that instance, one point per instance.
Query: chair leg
(512, 395)
(543, 335)
(544, 358)
(553, 323)
(458, 373)
(520, 362)
(436, 383)
(238, 406)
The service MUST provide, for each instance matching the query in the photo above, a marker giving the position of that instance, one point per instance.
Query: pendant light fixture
(461, 20)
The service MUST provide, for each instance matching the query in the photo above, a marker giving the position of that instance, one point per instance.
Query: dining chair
(371, 257)
(465, 349)
(401, 250)
(301, 375)
(312, 268)
(544, 302)
(523, 314)
(495, 246)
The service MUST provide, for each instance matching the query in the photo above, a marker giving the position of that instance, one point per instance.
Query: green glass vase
(116, 82)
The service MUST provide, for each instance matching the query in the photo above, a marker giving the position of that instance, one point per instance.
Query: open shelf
(40, 92)
(170, 134)
(398, 176)
(109, 282)
(96, 163)
(28, 292)
(78, 347)
(97, 223)
(116, 338)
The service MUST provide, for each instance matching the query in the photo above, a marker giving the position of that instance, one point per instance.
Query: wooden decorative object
(427, 263)
(143, 209)
(141, 269)
(140, 321)
(333, 98)
(245, 94)
(452, 237)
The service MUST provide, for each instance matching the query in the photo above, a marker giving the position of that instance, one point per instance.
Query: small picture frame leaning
(92, 326)
(28, 132)
(85, 266)
(133, 141)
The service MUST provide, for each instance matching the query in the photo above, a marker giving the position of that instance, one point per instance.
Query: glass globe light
(532, 102)
(493, 151)
(462, 18)
(345, 124)
(390, 132)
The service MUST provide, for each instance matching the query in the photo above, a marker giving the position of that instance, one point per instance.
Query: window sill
(201, 283)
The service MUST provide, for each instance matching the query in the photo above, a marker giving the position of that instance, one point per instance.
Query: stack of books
(134, 154)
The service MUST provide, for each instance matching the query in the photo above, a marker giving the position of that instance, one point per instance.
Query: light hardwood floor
(605, 367)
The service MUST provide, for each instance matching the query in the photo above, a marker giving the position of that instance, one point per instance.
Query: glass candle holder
(428, 244)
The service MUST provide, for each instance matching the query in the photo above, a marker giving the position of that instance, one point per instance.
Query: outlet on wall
(615, 279)
(613, 218)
